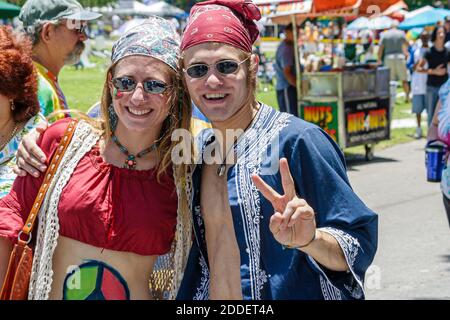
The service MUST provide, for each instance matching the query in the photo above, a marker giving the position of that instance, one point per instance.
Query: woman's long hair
(166, 277)
(179, 117)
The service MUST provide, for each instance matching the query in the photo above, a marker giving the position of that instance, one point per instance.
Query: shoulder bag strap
(50, 173)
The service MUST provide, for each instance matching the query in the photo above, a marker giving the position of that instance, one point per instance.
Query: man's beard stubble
(74, 56)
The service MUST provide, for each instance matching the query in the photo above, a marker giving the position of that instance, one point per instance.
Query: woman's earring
(13, 106)
(112, 118)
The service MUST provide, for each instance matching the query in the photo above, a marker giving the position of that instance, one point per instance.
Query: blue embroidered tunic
(318, 168)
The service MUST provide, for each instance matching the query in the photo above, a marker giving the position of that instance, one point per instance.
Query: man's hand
(30, 158)
(293, 223)
(441, 70)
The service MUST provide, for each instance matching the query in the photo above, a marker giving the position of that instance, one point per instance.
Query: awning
(326, 5)
(303, 9)
(271, 8)
(294, 7)
(281, 11)
(366, 7)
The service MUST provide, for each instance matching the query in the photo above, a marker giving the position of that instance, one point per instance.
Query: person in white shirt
(419, 83)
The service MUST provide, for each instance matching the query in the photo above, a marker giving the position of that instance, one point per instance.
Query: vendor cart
(352, 106)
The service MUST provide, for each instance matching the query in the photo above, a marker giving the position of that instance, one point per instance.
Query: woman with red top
(113, 224)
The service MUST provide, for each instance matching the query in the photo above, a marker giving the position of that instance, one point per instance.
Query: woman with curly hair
(19, 106)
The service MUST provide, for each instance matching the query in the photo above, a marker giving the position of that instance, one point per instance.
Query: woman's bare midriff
(134, 268)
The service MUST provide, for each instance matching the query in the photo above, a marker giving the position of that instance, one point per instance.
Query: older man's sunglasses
(127, 84)
(199, 70)
(78, 26)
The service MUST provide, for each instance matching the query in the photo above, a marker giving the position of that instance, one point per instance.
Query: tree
(95, 3)
(415, 4)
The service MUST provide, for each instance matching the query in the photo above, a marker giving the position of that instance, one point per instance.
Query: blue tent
(428, 18)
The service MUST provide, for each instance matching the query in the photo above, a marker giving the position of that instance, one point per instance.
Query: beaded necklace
(130, 162)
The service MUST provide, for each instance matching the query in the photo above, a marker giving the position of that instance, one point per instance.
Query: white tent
(127, 26)
(136, 8)
(160, 8)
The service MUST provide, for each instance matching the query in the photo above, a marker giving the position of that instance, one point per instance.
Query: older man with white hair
(57, 31)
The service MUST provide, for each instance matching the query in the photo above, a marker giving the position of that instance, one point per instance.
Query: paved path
(413, 257)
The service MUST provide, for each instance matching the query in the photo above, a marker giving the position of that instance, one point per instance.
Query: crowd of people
(134, 213)
(219, 224)
(421, 66)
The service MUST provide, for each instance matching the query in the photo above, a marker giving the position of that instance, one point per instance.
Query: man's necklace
(130, 162)
(13, 133)
(222, 167)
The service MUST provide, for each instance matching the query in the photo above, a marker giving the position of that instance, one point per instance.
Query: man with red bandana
(274, 214)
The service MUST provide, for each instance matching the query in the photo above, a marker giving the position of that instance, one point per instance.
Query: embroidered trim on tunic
(251, 149)
(350, 246)
(329, 291)
(203, 289)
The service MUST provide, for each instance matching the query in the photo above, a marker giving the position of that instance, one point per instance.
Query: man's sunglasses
(127, 84)
(75, 25)
(199, 70)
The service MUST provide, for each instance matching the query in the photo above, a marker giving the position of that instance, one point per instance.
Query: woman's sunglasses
(127, 84)
(224, 67)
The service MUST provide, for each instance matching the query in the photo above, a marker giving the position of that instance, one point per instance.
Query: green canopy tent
(8, 10)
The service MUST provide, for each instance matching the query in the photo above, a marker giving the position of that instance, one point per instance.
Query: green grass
(267, 95)
(401, 135)
(83, 87)
(402, 110)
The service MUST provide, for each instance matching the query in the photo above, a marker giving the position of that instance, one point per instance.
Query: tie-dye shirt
(8, 155)
(51, 98)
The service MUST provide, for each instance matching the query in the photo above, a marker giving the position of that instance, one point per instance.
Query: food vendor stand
(351, 104)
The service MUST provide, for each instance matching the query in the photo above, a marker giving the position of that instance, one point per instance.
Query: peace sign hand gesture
(293, 222)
